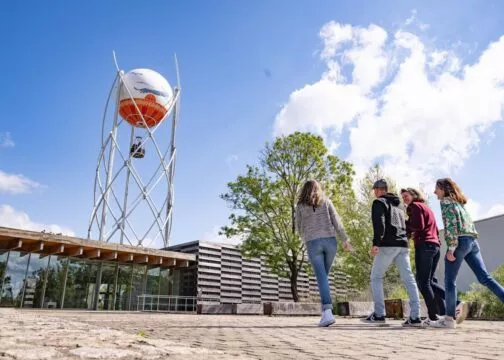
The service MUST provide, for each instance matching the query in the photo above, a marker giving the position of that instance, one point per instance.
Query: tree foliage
(263, 200)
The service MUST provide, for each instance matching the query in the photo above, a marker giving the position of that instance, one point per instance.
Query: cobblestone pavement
(107, 335)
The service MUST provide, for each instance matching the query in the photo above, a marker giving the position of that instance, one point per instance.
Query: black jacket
(389, 225)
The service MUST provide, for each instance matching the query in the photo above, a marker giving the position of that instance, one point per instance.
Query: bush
(397, 292)
(492, 306)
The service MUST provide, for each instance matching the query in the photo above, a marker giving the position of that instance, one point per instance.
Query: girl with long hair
(421, 225)
(460, 236)
(317, 223)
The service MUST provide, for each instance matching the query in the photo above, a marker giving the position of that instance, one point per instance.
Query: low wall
(407, 309)
(395, 309)
(291, 309)
(248, 309)
(354, 308)
(215, 309)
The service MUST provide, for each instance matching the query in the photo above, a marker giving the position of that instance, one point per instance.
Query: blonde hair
(415, 194)
(451, 190)
(312, 194)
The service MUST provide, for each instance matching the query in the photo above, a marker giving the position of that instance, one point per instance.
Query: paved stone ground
(101, 335)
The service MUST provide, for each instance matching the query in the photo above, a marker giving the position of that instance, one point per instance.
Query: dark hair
(380, 184)
(312, 194)
(415, 194)
(451, 190)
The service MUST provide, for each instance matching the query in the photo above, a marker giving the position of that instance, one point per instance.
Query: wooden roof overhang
(47, 244)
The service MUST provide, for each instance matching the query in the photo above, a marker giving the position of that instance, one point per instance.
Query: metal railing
(166, 303)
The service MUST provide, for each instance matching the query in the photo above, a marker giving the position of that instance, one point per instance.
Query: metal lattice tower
(133, 194)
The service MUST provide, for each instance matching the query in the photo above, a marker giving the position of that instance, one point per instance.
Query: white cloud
(437, 58)
(10, 217)
(413, 20)
(418, 111)
(213, 236)
(423, 26)
(231, 158)
(6, 140)
(474, 208)
(334, 34)
(16, 184)
(495, 210)
(477, 213)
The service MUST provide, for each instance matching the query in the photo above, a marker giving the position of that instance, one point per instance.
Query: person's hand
(450, 256)
(375, 250)
(347, 247)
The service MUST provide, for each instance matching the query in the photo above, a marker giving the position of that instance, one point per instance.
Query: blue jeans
(468, 250)
(321, 253)
(382, 261)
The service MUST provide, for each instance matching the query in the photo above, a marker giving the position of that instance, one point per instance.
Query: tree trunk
(293, 284)
(293, 217)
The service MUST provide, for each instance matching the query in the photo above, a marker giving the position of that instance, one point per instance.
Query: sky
(415, 86)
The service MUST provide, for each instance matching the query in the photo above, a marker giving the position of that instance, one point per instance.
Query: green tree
(263, 200)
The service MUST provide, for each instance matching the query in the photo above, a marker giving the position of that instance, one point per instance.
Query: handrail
(166, 303)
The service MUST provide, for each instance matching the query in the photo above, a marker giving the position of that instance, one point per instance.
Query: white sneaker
(327, 318)
(444, 324)
(461, 312)
(428, 322)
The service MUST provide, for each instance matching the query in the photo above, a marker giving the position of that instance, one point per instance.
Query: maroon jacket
(421, 223)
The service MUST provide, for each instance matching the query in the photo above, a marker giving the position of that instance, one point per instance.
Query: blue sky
(57, 70)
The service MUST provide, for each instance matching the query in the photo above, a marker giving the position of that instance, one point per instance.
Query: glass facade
(3, 269)
(137, 285)
(170, 283)
(80, 284)
(33, 285)
(55, 283)
(123, 287)
(106, 293)
(152, 288)
(31, 280)
(13, 283)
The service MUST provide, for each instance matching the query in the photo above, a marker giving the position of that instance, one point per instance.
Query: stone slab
(291, 309)
(354, 308)
(248, 309)
(394, 308)
(476, 311)
(214, 309)
(406, 309)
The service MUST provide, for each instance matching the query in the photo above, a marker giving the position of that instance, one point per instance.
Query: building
(491, 240)
(40, 270)
(223, 275)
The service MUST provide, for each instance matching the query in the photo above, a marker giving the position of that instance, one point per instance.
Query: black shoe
(373, 319)
(412, 322)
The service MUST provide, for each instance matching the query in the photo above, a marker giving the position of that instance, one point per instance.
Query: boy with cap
(390, 245)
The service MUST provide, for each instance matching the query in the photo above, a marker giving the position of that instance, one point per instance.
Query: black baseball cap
(380, 184)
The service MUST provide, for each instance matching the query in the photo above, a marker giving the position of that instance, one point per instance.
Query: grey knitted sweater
(319, 222)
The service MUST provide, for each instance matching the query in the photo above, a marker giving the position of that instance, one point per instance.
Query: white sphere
(151, 93)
